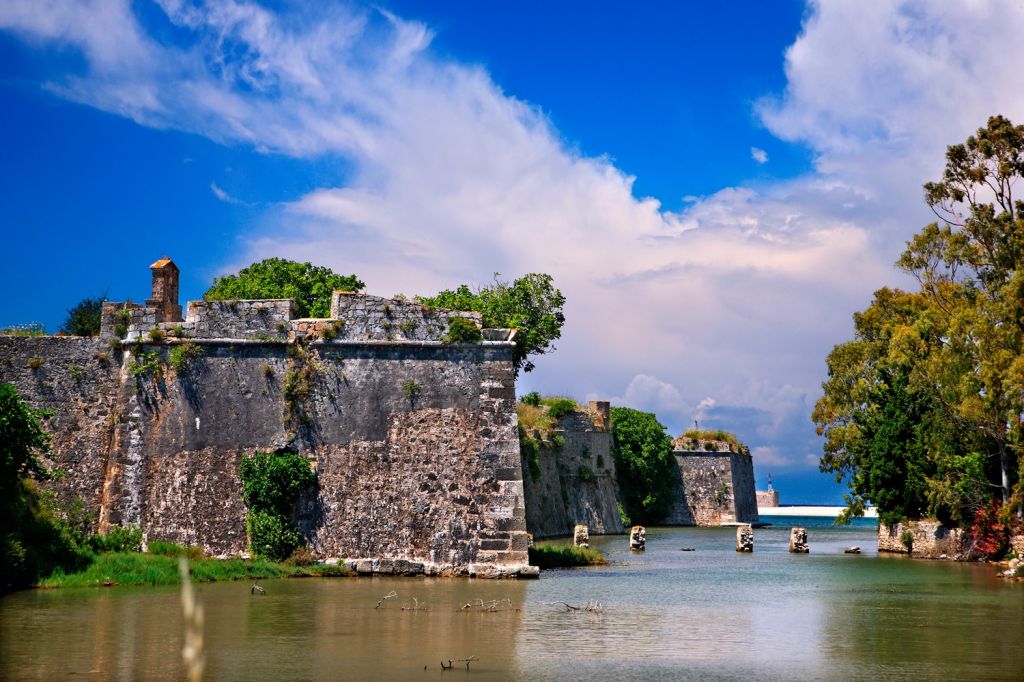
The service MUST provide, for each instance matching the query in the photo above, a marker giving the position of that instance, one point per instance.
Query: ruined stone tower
(165, 291)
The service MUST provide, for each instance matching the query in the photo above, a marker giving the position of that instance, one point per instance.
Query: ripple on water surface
(710, 613)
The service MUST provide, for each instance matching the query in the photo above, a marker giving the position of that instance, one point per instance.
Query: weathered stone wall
(415, 444)
(767, 499)
(77, 379)
(370, 317)
(269, 319)
(930, 539)
(713, 488)
(577, 482)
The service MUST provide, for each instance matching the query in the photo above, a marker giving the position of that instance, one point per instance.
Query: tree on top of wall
(84, 317)
(530, 304)
(310, 286)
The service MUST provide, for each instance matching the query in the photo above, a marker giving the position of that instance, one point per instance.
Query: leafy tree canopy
(33, 541)
(22, 441)
(310, 286)
(530, 304)
(644, 464)
(84, 317)
(922, 410)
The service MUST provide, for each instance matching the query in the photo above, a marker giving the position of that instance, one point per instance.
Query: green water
(667, 614)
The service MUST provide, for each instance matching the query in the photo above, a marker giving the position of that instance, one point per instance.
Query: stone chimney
(165, 291)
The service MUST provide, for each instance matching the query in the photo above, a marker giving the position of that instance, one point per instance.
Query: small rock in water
(851, 550)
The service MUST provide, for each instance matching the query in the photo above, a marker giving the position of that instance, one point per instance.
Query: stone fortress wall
(715, 485)
(414, 441)
(577, 482)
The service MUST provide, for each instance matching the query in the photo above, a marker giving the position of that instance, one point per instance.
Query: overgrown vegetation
(34, 541)
(183, 355)
(530, 304)
(298, 384)
(462, 330)
(531, 398)
(411, 390)
(38, 536)
(644, 464)
(84, 317)
(271, 484)
(172, 549)
(145, 363)
(529, 451)
(698, 435)
(28, 329)
(921, 411)
(308, 285)
(134, 568)
(563, 556)
(559, 407)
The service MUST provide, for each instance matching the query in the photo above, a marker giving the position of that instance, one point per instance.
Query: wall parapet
(354, 318)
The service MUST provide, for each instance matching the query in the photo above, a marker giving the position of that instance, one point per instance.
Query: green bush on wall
(463, 330)
(271, 536)
(271, 484)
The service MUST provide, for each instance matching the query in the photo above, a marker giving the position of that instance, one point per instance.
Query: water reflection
(668, 614)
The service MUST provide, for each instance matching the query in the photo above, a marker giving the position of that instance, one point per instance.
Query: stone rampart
(372, 318)
(928, 538)
(576, 483)
(414, 441)
(713, 488)
(271, 319)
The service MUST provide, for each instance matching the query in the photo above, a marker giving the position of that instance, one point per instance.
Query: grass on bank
(562, 556)
(137, 568)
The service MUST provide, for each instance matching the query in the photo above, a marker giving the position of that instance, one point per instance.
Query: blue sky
(716, 188)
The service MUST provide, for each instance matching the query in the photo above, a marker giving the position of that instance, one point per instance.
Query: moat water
(666, 615)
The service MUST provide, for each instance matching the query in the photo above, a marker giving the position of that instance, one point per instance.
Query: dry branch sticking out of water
(390, 595)
(591, 607)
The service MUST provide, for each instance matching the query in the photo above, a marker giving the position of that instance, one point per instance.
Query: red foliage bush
(989, 537)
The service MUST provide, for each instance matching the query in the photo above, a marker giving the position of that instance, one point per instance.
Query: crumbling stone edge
(405, 567)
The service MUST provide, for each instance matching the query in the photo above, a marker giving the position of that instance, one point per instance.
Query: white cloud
(650, 394)
(222, 195)
(759, 155)
(765, 456)
(738, 297)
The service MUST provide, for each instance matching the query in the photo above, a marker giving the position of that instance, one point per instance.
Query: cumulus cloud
(767, 456)
(650, 394)
(736, 298)
(759, 155)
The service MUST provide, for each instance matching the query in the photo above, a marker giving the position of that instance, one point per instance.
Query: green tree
(530, 304)
(271, 484)
(971, 264)
(310, 286)
(922, 410)
(644, 464)
(84, 317)
(33, 541)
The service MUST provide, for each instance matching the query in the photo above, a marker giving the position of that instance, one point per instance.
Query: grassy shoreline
(138, 569)
(564, 556)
